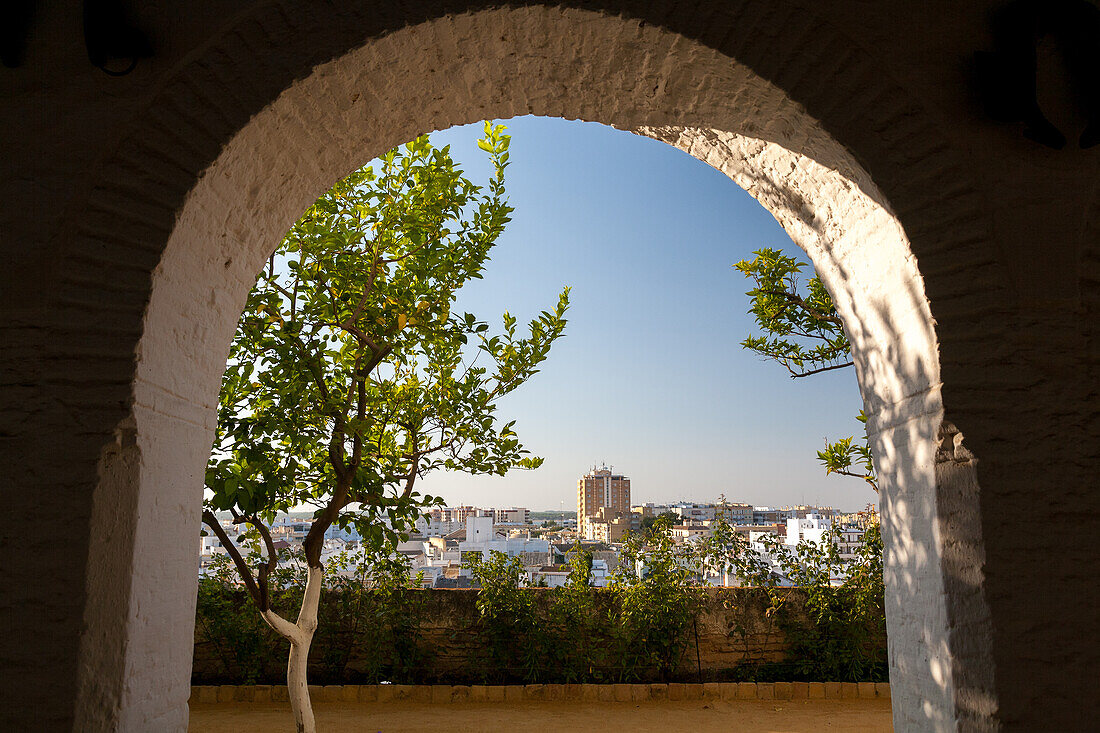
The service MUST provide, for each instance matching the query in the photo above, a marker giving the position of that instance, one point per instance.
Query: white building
(482, 537)
(289, 529)
(459, 513)
(349, 534)
(849, 539)
(811, 528)
(210, 546)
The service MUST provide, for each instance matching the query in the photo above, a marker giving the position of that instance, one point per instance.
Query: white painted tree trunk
(299, 687)
(300, 635)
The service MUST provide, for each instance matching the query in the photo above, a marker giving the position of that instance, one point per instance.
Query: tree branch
(284, 628)
(336, 443)
(360, 413)
(411, 478)
(870, 479)
(211, 520)
(801, 303)
(315, 538)
(411, 252)
(359, 334)
(272, 561)
(796, 375)
(336, 451)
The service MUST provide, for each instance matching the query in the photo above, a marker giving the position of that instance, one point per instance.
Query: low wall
(733, 638)
(439, 694)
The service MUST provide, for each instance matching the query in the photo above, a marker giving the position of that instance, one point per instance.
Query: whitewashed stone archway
(500, 64)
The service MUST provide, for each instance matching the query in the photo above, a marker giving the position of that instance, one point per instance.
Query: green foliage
(648, 522)
(350, 376)
(374, 603)
(638, 629)
(839, 643)
(246, 647)
(581, 642)
(658, 599)
(727, 551)
(507, 617)
(803, 333)
(846, 457)
(845, 639)
(846, 634)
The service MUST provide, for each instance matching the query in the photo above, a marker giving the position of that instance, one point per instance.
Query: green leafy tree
(349, 376)
(803, 332)
(850, 457)
(231, 626)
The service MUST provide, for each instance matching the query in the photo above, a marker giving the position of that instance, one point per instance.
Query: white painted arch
(499, 64)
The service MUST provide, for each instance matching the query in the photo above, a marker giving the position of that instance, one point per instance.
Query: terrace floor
(697, 716)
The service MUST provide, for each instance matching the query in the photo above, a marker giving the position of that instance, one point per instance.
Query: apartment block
(736, 514)
(458, 514)
(512, 515)
(609, 525)
(600, 488)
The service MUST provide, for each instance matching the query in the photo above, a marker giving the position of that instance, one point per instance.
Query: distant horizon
(656, 502)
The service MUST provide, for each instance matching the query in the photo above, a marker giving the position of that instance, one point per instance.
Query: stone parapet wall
(733, 634)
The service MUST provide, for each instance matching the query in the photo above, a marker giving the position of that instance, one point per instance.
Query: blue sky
(649, 377)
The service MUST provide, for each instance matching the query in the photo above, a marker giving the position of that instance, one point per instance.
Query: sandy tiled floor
(748, 716)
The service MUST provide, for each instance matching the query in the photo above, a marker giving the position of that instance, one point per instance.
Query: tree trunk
(300, 635)
(299, 687)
